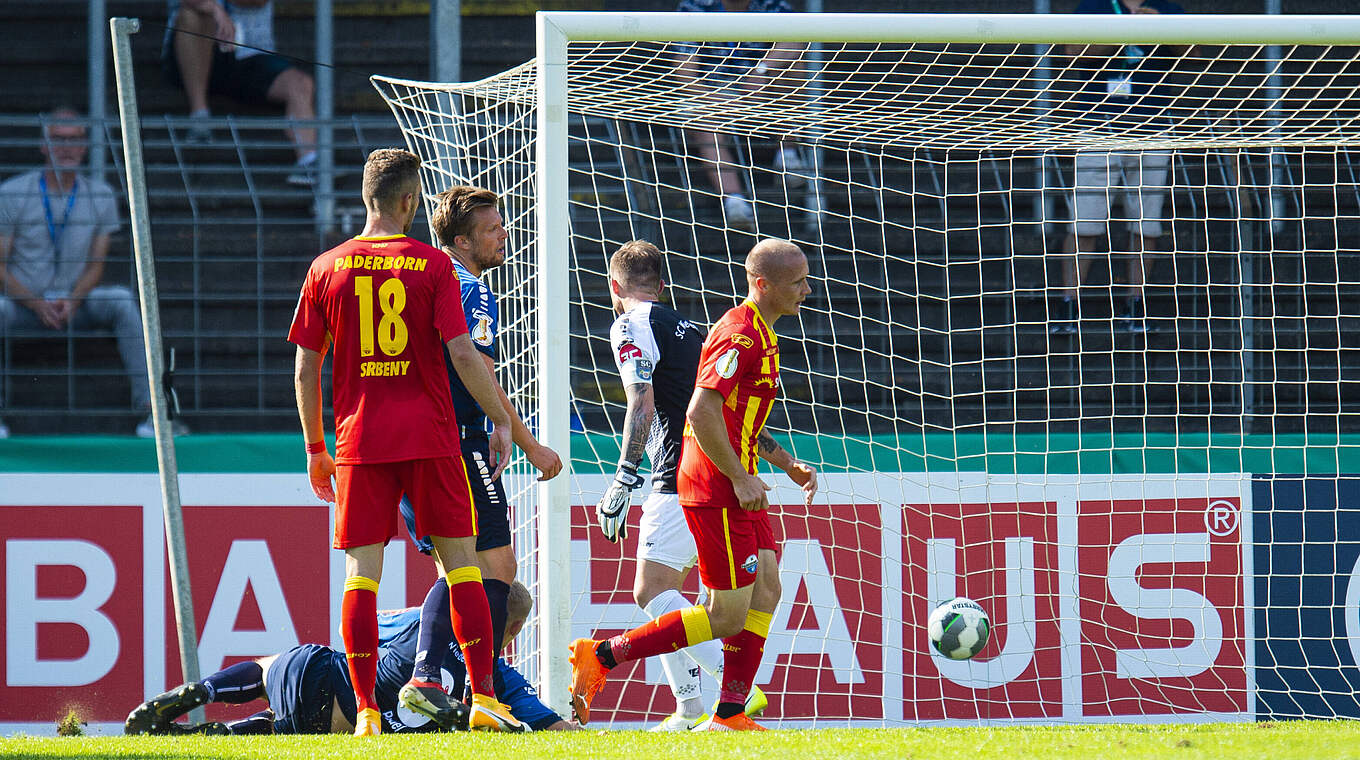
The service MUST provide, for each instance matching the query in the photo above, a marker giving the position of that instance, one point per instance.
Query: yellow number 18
(392, 335)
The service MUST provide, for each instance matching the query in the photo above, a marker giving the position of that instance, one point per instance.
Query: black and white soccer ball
(959, 628)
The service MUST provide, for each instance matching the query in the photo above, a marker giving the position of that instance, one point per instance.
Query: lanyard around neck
(56, 231)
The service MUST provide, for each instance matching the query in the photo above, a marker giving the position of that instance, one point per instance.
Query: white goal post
(939, 149)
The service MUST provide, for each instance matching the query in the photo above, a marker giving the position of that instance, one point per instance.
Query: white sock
(201, 113)
(683, 679)
(307, 158)
(708, 654)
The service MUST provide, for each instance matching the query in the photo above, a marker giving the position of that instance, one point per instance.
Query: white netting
(1091, 478)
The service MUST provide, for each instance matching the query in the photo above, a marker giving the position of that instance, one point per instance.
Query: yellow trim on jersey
(472, 504)
(748, 433)
(698, 628)
(767, 336)
(469, 574)
(727, 540)
(360, 583)
(378, 238)
(759, 623)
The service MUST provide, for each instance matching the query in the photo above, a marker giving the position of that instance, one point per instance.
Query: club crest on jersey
(742, 340)
(750, 564)
(481, 332)
(643, 367)
(726, 366)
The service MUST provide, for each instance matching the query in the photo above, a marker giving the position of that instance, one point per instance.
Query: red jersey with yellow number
(388, 306)
(740, 360)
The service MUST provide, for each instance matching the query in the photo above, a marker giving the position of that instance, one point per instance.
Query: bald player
(723, 499)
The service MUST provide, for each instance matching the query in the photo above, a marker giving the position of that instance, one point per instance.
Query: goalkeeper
(657, 352)
(309, 692)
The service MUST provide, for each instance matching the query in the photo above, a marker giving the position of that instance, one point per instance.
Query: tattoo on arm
(771, 451)
(637, 424)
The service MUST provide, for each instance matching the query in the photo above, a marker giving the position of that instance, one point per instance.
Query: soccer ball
(959, 628)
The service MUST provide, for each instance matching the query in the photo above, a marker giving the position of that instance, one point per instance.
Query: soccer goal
(1144, 474)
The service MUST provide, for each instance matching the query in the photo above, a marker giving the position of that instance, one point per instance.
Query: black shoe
(211, 728)
(156, 715)
(431, 701)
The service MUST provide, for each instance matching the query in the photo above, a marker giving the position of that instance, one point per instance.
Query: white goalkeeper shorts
(1137, 179)
(663, 535)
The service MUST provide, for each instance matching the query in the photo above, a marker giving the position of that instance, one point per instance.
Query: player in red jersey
(723, 498)
(388, 305)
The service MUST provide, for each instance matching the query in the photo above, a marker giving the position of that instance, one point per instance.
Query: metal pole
(554, 253)
(122, 29)
(446, 40)
(96, 76)
(325, 114)
(817, 201)
(1043, 81)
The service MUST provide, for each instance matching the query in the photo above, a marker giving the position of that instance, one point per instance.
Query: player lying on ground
(723, 498)
(657, 353)
(309, 692)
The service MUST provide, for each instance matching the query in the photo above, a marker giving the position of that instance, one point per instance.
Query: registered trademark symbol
(1221, 517)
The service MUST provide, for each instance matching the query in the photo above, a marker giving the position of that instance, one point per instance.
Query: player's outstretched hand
(750, 491)
(546, 460)
(805, 475)
(612, 511)
(321, 471)
(499, 446)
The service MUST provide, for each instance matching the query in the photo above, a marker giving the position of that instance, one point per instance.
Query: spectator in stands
(220, 48)
(55, 225)
(1123, 87)
(739, 68)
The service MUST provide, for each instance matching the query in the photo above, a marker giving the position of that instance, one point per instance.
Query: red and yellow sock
(741, 657)
(359, 631)
(671, 632)
(472, 626)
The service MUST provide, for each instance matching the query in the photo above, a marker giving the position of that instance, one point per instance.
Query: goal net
(1140, 473)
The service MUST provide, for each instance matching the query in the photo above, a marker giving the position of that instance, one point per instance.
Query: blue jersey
(483, 320)
(1133, 88)
(397, 633)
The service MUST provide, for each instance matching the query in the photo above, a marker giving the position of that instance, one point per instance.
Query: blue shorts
(301, 686)
(488, 499)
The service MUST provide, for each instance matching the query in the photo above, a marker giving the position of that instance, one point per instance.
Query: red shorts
(367, 499)
(729, 540)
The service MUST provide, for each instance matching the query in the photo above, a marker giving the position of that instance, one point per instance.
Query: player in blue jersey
(309, 692)
(469, 228)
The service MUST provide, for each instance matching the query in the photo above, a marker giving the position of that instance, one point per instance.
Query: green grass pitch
(1302, 740)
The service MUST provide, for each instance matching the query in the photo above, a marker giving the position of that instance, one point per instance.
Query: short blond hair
(518, 603)
(453, 209)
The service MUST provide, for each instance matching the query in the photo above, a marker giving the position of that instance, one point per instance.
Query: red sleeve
(448, 302)
(729, 353)
(309, 327)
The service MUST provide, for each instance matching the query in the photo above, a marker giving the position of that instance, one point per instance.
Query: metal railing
(233, 238)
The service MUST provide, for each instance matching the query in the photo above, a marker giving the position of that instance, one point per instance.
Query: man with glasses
(55, 226)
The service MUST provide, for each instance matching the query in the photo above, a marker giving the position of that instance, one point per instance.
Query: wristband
(627, 474)
(316, 448)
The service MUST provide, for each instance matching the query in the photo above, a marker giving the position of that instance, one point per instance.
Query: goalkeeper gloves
(612, 511)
